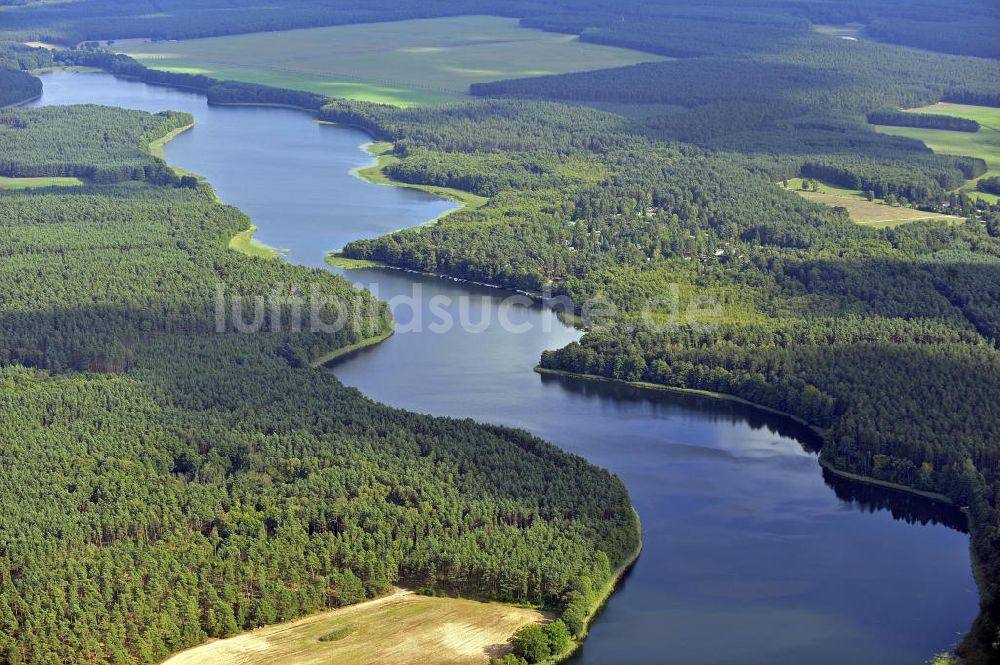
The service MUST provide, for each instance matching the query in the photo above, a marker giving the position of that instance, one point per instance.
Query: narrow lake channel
(752, 556)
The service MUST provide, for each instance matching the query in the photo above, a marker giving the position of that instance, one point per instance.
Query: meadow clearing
(401, 628)
(421, 61)
(33, 183)
(863, 211)
(985, 143)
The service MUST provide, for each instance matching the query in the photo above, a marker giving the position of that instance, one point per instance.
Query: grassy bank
(375, 174)
(244, 243)
(338, 261)
(156, 147)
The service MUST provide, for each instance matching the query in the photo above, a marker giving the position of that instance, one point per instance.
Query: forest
(217, 92)
(924, 120)
(166, 483)
(99, 144)
(620, 184)
(990, 185)
(17, 86)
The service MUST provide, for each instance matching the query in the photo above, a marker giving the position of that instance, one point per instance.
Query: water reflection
(714, 410)
(909, 508)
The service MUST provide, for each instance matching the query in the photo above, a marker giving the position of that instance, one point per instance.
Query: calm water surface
(751, 556)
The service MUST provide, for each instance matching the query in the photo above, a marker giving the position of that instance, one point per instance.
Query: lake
(752, 554)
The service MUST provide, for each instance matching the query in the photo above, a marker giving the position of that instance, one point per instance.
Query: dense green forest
(990, 185)
(99, 144)
(883, 339)
(17, 86)
(638, 185)
(165, 483)
(924, 120)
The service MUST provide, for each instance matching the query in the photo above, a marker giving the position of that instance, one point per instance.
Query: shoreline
(24, 101)
(658, 387)
(604, 597)
(156, 146)
(374, 173)
(887, 485)
(824, 463)
(264, 104)
(347, 263)
(244, 243)
(327, 358)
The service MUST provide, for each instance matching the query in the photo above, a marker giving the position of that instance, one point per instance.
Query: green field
(795, 184)
(868, 213)
(423, 61)
(985, 143)
(32, 183)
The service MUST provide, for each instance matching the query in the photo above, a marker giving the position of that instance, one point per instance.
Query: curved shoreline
(244, 243)
(156, 146)
(886, 484)
(659, 387)
(824, 463)
(375, 174)
(336, 354)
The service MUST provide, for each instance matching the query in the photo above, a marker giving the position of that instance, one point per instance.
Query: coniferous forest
(164, 484)
(217, 483)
